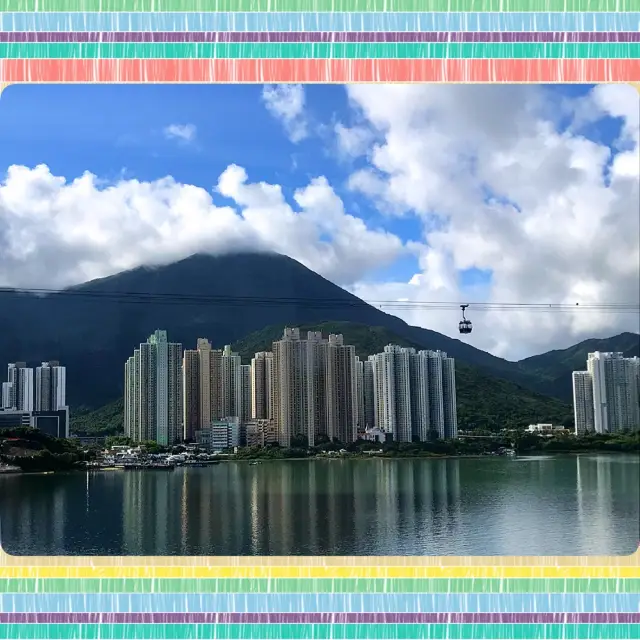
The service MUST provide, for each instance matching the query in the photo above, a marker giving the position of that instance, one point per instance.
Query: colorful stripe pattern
(319, 41)
(321, 598)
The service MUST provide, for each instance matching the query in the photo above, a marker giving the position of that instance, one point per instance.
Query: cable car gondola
(464, 326)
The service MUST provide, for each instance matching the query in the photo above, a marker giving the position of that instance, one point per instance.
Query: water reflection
(540, 506)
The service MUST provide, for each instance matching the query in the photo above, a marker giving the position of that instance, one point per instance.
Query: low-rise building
(220, 435)
(546, 429)
(261, 433)
(53, 423)
(377, 435)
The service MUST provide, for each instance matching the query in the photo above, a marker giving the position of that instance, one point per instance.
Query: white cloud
(353, 141)
(182, 132)
(286, 102)
(90, 229)
(497, 188)
(492, 183)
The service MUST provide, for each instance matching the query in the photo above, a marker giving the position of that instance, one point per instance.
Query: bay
(555, 505)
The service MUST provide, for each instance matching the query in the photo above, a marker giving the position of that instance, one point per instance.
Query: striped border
(329, 41)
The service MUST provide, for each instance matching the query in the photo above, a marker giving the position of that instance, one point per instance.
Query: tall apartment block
(340, 389)
(245, 401)
(606, 397)
(18, 390)
(231, 395)
(50, 387)
(583, 402)
(414, 393)
(262, 386)
(216, 386)
(291, 381)
(153, 396)
(315, 387)
(191, 394)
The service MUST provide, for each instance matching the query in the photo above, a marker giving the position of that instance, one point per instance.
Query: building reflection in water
(553, 506)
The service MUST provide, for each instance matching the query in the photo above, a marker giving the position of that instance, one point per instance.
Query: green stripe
(320, 50)
(319, 631)
(319, 585)
(314, 6)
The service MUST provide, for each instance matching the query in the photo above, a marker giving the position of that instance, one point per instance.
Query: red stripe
(338, 71)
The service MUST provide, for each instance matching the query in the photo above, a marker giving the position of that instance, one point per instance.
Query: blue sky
(115, 131)
(465, 249)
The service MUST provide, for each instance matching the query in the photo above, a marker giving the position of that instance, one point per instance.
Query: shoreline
(352, 458)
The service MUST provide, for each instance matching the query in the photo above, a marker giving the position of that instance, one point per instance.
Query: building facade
(153, 397)
(606, 397)
(50, 387)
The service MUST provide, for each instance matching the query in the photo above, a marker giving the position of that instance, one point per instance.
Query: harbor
(136, 458)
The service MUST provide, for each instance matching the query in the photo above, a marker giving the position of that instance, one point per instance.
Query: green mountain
(553, 369)
(105, 421)
(484, 401)
(97, 325)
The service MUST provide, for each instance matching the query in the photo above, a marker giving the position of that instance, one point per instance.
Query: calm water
(540, 506)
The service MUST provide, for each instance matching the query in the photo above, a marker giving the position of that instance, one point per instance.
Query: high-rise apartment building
(262, 385)
(613, 383)
(392, 376)
(449, 396)
(191, 394)
(19, 392)
(583, 402)
(7, 395)
(246, 393)
(231, 383)
(50, 387)
(154, 391)
(368, 391)
(340, 388)
(359, 376)
(414, 394)
(205, 372)
(291, 381)
(315, 387)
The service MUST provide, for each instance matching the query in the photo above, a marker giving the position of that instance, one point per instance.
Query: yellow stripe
(320, 572)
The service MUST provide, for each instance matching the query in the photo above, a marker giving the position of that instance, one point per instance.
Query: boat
(254, 463)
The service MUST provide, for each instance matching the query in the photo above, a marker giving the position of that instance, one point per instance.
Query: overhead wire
(134, 297)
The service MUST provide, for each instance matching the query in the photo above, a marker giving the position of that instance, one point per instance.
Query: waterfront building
(262, 387)
(546, 428)
(230, 384)
(53, 423)
(50, 387)
(191, 393)
(315, 387)
(291, 381)
(261, 432)
(583, 414)
(376, 435)
(612, 382)
(220, 435)
(153, 396)
(19, 391)
(246, 393)
(414, 394)
(340, 389)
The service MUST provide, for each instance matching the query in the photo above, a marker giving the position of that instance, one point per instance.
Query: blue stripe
(324, 602)
(320, 21)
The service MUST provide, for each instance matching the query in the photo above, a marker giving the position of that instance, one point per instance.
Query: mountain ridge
(93, 327)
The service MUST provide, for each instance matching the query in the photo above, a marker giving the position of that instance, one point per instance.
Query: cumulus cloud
(286, 102)
(56, 232)
(181, 132)
(547, 215)
(550, 215)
